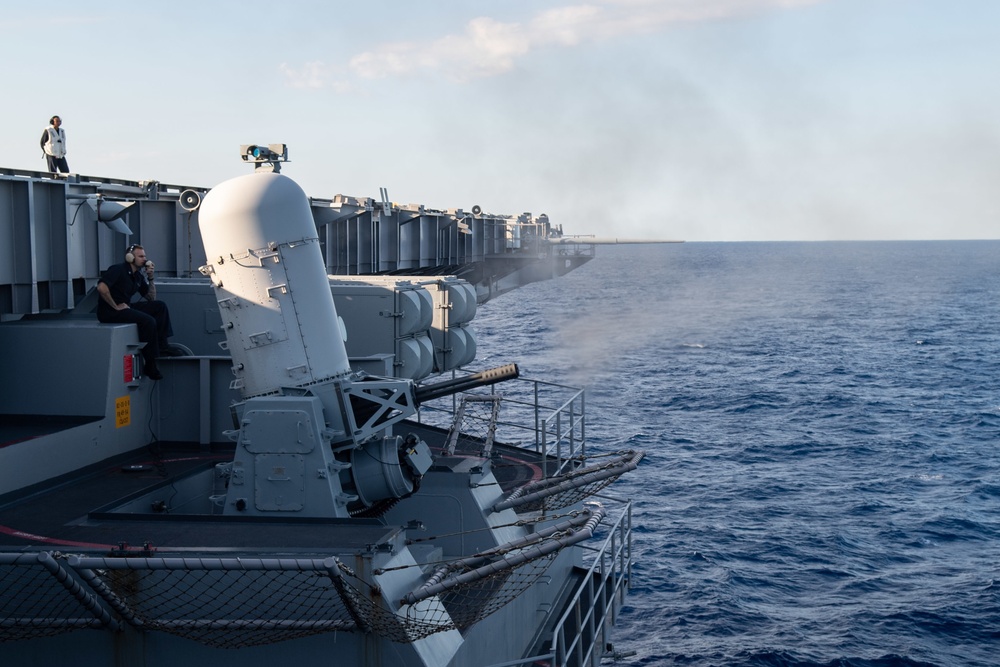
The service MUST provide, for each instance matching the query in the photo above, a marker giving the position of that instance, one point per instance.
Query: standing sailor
(54, 146)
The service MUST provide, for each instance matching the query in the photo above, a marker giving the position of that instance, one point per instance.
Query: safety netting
(238, 602)
(227, 603)
(468, 589)
(39, 598)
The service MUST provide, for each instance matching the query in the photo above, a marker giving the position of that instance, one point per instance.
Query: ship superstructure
(60, 232)
(318, 474)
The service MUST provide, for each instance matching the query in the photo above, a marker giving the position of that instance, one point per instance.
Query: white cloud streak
(488, 47)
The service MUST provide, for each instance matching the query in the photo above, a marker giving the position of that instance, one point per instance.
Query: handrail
(547, 488)
(557, 429)
(614, 565)
(612, 568)
(569, 434)
(508, 556)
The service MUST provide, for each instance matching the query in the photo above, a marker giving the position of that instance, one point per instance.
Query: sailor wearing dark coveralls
(116, 288)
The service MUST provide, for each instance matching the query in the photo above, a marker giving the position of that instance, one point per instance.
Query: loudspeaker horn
(190, 200)
(476, 210)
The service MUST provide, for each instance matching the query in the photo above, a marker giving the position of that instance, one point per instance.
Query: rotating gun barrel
(480, 379)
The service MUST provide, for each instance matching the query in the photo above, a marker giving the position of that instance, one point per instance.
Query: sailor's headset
(130, 255)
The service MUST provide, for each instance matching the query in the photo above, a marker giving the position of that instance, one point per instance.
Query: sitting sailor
(117, 287)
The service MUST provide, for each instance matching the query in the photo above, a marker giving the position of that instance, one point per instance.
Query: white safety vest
(56, 145)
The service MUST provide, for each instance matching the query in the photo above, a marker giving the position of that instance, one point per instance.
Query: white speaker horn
(189, 200)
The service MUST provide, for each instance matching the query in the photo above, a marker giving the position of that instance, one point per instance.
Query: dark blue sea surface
(822, 428)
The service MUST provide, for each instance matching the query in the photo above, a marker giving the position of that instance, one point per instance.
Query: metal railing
(580, 635)
(552, 415)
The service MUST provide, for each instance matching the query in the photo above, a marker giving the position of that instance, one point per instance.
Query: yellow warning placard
(123, 411)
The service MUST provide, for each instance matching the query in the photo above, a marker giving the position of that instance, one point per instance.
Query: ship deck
(69, 513)
(78, 510)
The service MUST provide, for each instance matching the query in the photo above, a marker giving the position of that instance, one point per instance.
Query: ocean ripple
(822, 480)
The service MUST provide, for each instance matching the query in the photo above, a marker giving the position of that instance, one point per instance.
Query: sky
(696, 120)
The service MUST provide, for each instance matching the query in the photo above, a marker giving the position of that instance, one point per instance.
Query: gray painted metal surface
(353, 502)
(53, 248)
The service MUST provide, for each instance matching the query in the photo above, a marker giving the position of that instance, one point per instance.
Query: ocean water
(821, 424)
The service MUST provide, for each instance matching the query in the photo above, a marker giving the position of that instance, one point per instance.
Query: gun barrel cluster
(480, 379)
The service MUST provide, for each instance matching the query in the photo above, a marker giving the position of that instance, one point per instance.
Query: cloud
(315, 75)
(488, 47)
